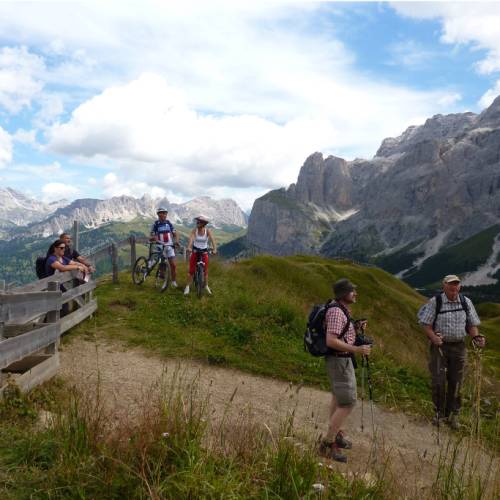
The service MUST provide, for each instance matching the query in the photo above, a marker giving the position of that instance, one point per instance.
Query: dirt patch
(406, 447)
(123, 307)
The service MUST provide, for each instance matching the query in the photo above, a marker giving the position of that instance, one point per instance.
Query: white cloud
(489, 96)
(25, 136)
(54, 191)
(115, 186)
(152, 135)
(19, 78)
(51, 108)
(253, 88)
(463, 23)
(5, 147)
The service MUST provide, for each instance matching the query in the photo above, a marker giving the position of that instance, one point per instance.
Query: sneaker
(332, 450)
(207, 289)
(174, 284)
(186, 290)
(342, 442)
(453, 422)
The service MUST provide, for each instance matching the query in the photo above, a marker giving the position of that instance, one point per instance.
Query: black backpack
(315, 334)
(41, 271)
(439, 305)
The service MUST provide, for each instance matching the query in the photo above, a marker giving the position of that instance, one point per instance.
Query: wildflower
(318, 487)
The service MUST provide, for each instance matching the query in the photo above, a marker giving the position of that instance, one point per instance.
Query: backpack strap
(439, 304)
(348, 323)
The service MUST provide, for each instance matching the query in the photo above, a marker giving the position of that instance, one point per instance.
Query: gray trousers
(447, 366)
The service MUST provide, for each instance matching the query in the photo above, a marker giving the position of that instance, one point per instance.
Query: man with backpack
(340, 339)
(447, 318)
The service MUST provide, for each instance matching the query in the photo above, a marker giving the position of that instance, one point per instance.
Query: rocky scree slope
(433, 186)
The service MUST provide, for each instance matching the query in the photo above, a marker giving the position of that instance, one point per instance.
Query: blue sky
(224, 98)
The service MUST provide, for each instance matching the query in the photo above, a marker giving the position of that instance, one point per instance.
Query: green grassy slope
(256, 318)
(463, 257)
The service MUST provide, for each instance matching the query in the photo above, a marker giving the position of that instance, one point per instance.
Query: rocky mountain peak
(324, 182)
(436, 128)
(490, 117)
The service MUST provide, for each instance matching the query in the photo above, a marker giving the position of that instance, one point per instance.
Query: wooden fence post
(76, 236)
(114, 262)
(133, 254)
(53, 317)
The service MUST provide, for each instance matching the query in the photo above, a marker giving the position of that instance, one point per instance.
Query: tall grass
(173, 446)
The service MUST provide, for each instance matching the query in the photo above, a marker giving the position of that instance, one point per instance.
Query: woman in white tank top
(198, 244)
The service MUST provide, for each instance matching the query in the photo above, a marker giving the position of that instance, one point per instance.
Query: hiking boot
(331, 450)
(174, 284)
(207, 289)
(186, 290)
(453, 422)
(438, 419)
(342, 442)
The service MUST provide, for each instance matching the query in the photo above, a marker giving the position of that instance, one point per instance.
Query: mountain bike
(144, 266)
(199, 280)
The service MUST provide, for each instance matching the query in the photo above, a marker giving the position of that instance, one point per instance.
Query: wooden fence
(32, 319)
(111, 251)
(34, 316)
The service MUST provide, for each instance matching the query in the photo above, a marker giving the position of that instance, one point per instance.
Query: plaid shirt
(452, 326)
(335, 324)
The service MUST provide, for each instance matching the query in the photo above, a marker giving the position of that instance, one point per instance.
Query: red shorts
(194, 258)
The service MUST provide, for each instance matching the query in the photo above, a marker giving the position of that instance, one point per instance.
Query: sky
(224, 98)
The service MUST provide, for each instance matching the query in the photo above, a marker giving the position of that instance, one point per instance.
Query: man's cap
(343, 287)
(162, 209)
(451, 278)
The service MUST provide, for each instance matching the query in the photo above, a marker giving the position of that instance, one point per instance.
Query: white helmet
(201, 218)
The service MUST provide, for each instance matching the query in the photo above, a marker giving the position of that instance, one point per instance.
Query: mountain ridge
(433, 186)
(26, 216)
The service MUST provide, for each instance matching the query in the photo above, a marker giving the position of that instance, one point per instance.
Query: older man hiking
(340, 337)
(447, 318)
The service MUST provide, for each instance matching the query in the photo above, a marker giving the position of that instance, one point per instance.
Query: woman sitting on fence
(56, 261)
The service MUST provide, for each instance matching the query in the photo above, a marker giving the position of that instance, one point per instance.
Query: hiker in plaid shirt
(340, 337)
(447, 330)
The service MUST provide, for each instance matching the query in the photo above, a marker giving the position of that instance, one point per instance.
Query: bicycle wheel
(163, 277)
(199, 279)
(140, 270)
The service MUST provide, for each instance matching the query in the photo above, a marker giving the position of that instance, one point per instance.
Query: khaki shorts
(342, 379)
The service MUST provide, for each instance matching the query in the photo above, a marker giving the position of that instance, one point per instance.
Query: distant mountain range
(23, 216)
(432, 192)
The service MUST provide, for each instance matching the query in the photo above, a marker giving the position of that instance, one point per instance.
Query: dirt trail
(407, 444)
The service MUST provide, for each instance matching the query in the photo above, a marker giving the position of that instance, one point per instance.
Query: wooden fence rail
(32, 319)
(34, 316)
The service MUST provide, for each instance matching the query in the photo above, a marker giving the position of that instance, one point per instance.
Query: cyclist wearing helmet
(163, 231)
(198, 244)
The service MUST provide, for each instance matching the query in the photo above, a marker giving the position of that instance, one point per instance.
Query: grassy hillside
(463, 257)
(255, 322)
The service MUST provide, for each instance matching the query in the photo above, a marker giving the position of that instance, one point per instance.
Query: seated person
(198, 245)
(56, 261)
(72, 254)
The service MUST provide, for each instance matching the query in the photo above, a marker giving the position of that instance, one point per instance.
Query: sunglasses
(61, 248)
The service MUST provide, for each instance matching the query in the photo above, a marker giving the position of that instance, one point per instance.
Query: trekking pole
(362, 393)
(477, 396)
(370, 391)
(438, 409)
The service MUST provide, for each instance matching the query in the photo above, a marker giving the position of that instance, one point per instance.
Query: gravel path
(408, 445)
